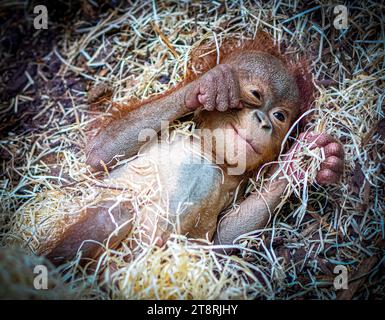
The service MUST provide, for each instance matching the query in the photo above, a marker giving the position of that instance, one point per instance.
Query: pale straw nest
(143, 49)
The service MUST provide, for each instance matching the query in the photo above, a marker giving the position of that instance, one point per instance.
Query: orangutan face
(269, 96)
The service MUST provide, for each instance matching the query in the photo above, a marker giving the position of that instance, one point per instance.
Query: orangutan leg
(94, 228)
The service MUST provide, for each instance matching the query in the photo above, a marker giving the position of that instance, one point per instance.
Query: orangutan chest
(196, 199)
(195, 186)
(190, 189)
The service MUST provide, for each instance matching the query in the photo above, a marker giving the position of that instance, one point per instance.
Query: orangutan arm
(216, 89)
(121, 136)
(252, 214)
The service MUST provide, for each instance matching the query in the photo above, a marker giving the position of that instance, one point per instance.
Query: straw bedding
(142, 49)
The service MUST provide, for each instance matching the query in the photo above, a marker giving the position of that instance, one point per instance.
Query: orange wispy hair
(205, 57)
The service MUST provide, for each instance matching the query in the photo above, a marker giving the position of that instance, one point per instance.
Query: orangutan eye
(280, 116)
(256, 94)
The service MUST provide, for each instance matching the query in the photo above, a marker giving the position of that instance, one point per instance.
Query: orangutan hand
(331, 168)
(218, 89)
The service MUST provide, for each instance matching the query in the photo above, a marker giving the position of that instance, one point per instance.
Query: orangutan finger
(234, 90)
(222, 99)
(333, 163)
(327, 176)
(208, 92)
(319, 140)
(334, 149)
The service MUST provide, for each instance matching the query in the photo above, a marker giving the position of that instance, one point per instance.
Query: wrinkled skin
(252, 95)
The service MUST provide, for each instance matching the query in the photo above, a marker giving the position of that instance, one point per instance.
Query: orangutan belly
(191, 190)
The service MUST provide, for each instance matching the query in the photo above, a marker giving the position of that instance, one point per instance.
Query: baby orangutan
(254, 95)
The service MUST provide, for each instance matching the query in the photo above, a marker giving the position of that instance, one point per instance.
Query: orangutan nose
(263, 120)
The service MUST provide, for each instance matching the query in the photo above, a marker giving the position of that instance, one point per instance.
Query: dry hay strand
(142, 50)
(182, 269)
